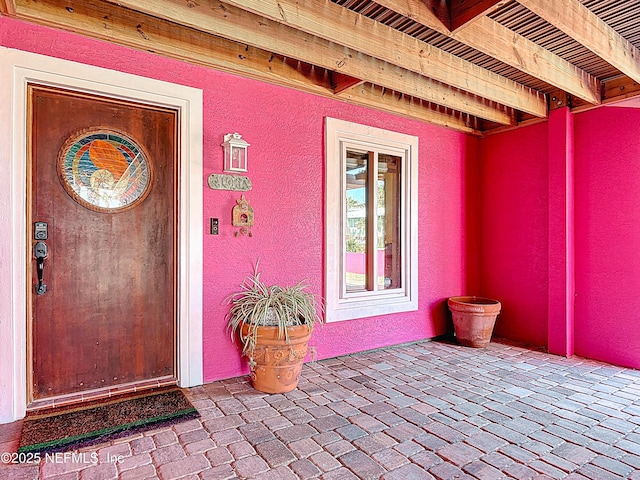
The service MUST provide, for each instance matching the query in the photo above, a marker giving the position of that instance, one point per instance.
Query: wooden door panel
(108, 316)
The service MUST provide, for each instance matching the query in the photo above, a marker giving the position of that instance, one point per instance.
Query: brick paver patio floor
(419, 411)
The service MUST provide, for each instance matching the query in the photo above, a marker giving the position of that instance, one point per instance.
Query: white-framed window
(371, 221)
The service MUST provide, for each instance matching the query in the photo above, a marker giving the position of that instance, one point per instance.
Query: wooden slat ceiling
(477, 66)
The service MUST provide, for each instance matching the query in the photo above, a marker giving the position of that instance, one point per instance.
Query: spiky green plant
(258, 304)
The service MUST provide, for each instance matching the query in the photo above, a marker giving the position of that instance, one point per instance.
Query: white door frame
(17, 69)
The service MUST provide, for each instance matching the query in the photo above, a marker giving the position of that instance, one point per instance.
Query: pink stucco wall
(561, 210)
(607, 303)
(286, 167)
(513, 240)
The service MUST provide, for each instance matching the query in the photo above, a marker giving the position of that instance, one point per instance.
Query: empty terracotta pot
(474, 319)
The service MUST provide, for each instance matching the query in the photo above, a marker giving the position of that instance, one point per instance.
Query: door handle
(40, 252)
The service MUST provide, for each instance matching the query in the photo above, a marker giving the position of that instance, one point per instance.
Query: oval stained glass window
(104, 170)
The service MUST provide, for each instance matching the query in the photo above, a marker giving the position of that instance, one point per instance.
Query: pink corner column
(560, 328)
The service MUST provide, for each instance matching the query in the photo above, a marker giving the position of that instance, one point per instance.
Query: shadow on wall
(442, 318)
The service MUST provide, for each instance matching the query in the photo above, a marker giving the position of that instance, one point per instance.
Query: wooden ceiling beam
(620, 88)
(124, 27)
(116, 25)
(426, 12)
(614, 91)
(340, 82)
(494, 39)
(465, 12)
(438, 13)
(340, 25)
(8, 7)
(381, 98)
(224, 20)
(587, 28)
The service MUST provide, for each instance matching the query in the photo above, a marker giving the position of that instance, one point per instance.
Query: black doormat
(58, 429)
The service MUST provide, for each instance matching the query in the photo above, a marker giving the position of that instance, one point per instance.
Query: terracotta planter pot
(278, 364)
(474, 319)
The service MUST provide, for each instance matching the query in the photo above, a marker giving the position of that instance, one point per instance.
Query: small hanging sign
(219, 181)
(243, 217)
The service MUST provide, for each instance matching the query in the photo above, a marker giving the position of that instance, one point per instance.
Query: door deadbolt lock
(40, 230)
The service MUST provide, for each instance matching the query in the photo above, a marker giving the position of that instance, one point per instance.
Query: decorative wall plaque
(243, 217)
(219, 181)
(104, 170)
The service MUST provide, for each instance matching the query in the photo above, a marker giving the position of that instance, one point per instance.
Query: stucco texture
(286, 167)
(514, 235)
(607, 303)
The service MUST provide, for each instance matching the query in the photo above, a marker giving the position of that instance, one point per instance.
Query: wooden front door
(103, 193)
